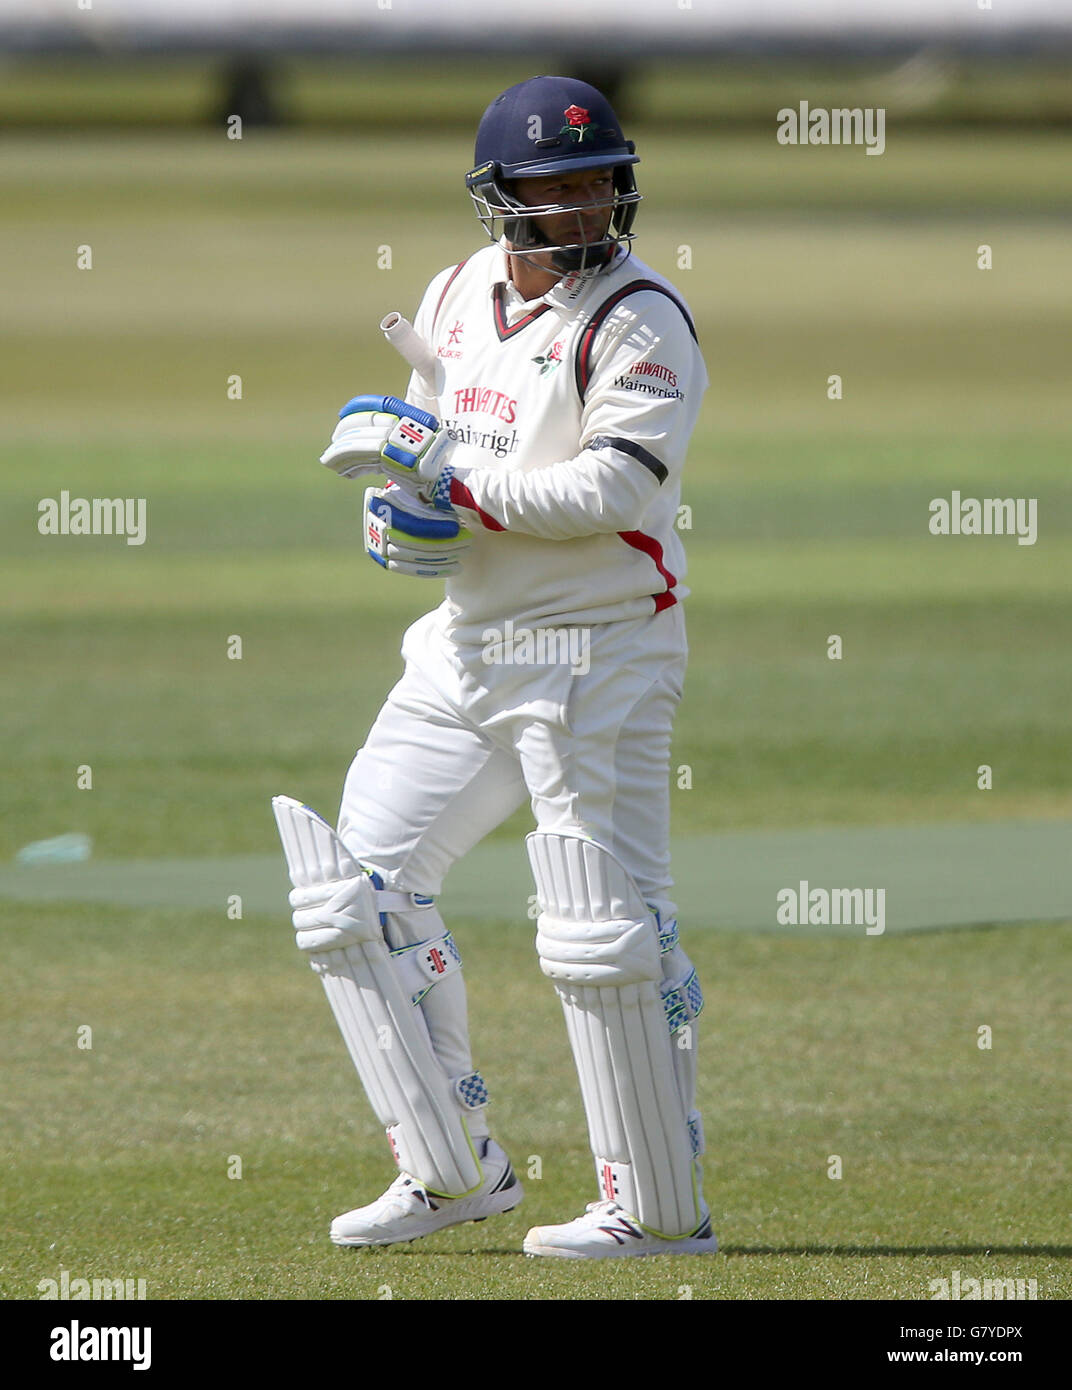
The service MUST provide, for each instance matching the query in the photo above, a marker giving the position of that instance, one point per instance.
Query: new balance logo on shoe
(621, 1229)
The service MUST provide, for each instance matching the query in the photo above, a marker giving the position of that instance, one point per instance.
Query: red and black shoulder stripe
(582, 362)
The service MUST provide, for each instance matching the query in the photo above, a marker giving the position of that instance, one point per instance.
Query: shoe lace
(405, 1189)
(604, 1209)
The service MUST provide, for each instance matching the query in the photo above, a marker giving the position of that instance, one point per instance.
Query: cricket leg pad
(375, 994)
(630, 999)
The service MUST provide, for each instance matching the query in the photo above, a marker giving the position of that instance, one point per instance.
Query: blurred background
(183, 313)
(272, 257)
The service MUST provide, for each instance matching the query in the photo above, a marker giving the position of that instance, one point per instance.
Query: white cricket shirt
(570, 487)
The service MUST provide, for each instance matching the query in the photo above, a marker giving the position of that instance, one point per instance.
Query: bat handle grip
(393, 406)
(402, 336)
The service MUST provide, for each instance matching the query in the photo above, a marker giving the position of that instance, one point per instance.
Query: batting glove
(381, 434)
(403, 533)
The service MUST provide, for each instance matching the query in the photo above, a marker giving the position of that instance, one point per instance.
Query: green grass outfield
(809, 518)
(211, 1040)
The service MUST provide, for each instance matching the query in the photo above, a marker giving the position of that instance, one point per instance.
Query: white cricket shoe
(607, 1231)
(408, 1210)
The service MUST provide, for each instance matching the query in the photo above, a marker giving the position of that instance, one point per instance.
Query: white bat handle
(402, 336)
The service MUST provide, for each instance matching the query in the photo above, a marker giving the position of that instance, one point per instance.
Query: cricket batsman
(534, 465)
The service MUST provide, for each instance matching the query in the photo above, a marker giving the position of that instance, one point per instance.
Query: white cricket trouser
(462, 741)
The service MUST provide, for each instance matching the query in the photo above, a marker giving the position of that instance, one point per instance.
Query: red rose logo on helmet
(579, 123)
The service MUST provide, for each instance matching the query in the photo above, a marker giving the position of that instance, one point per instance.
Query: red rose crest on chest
(548, 363)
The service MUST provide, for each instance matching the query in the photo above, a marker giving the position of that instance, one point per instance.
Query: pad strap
(667, 931)
(425, 963)
(683, 1002)
(389, 901)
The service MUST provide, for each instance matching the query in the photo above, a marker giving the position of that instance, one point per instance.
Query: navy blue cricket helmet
(545, 126)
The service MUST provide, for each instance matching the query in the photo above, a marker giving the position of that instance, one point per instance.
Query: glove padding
(381, 434)
(405, 534)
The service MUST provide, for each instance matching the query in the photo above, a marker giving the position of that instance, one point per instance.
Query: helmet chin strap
(566, 261)
(582, 257)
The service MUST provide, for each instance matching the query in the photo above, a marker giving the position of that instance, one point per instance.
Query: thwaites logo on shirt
(484, 400)
(653, 378)
(654, 369)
